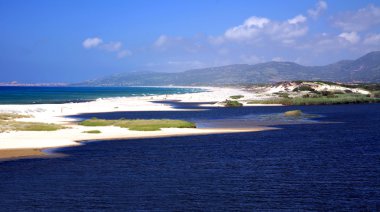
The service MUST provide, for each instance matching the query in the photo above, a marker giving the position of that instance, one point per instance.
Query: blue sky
(75, 40)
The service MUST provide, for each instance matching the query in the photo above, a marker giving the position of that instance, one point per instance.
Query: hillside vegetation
(363, 69)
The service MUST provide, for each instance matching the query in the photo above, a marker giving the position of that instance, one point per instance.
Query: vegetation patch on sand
(139, 124)
(236, 97)
(282, 95)
(11, 116)
(376, 94)
(320, 99)
(230, 103)
(35, 126)
(92, 131)
(8, 123)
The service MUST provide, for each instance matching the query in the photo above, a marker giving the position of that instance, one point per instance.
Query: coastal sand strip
(20, 153)
(10, 152)
(29, 143)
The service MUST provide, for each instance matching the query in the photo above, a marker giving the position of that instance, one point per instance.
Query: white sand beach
(73, 135)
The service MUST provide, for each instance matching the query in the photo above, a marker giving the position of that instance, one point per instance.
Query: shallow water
(308, 166)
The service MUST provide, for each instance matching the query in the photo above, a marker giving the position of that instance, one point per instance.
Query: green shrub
(230, 103)
(92, 131)
(94, 122)
(304, 88)
(281, 101)
(327, 94)
(376, 94)
(283, 95)
(236, 97)
(338, 92)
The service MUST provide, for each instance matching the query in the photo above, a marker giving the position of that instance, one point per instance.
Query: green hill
(363, 69)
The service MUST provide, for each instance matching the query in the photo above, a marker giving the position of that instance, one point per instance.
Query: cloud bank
(297, 38)
(311, 37)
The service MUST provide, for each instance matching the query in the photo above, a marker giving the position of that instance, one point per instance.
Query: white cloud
(285, 31)
(161, 41)
(123, 53)
(185, 64)
(319, 8)
(351, 37)
(216, 40)
(251, 28)
(164, 42)
(223, 51)
(260, 39)
(256, 22)
(112, 46)
(91, 42)
(359, 20)
(298, 19)
(373, 39)
(251, 59)
(256, 28)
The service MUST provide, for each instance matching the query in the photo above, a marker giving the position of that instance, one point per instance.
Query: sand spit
(29, 143)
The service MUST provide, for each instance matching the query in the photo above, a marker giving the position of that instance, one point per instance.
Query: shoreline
(73, 101)
(21, 143)
(15, 154)
(7, 154)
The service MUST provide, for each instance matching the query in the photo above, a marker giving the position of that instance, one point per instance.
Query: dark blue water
(312, 167)
(43, 95)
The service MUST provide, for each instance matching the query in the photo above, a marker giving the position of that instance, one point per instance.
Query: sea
(50, 95)
(326, 161)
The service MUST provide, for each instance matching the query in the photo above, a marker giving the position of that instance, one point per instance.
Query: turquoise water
(45, 95)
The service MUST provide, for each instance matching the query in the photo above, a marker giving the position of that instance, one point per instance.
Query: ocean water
(330, 163)
(44, 95)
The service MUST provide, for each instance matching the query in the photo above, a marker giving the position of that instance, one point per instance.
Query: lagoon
(331, 163)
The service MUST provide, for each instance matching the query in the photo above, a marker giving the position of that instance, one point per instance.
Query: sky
(77, 40)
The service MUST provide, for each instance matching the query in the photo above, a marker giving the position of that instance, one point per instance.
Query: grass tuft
(304, 88)
(92, 131)
(236, 97)
(12, 116)
(230, 103)
(34, 126)
(139, 124)
(7, 123)
(28, 126)
(376, 94)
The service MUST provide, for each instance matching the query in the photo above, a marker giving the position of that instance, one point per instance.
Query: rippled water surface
(47, 95)
(329, 163)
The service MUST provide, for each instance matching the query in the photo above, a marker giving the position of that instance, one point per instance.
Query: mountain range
(363, 69)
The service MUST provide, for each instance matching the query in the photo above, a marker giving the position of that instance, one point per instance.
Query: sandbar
(29, 143)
